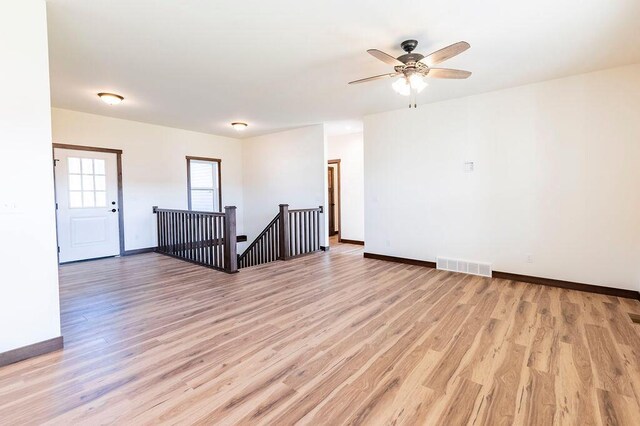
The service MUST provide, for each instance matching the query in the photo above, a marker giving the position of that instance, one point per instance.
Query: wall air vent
(464, 266)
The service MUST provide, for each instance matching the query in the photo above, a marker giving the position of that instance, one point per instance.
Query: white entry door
(87, 198)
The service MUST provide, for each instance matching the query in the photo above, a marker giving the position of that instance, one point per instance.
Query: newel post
(230, 240)
(284, 232)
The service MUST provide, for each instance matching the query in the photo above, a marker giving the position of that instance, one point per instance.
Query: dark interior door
(332, 203)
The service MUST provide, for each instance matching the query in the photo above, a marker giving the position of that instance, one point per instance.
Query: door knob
(113, 210)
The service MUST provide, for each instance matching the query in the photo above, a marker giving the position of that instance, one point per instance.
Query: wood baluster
(174, 230)
(174, 233)
(307, 231)
(221, 242)
(164, 231)
(266, 243)
(196, 237)
(316, 221)
(203, 238)
(208, 240)
(194, 240)
(318, 228)
(183, 234)
(218, 242)
(167, 247)
(159, 226)
(221, 246)
(313, 231)
(190, 237)
(200, 239)
(214, 242)
(303, 233)
(274, 241)
(298, 233)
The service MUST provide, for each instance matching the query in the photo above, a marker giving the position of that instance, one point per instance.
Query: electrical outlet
(529, 258)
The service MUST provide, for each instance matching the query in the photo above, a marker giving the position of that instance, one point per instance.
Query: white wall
(283, 168)
(154, 169)
(557, 178)
(349, 150)
(29, 302)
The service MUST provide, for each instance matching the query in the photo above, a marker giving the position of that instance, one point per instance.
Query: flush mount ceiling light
(239, 126)
(110, 98)
(414, 67)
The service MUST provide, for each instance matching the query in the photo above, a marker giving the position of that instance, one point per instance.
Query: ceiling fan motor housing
(409, 58)
(409, 45)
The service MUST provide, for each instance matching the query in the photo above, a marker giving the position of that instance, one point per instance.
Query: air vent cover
(464, 266)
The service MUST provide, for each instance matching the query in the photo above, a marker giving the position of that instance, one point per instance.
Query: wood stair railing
(290, 234)
(206, 238)
(265, 248)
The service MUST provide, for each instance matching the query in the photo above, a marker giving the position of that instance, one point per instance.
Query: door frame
(337, 163)
(118, 153)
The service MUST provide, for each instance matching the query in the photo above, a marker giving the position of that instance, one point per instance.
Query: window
(203, 181)
(87, 183)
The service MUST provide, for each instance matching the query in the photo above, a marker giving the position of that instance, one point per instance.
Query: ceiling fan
(413, 67)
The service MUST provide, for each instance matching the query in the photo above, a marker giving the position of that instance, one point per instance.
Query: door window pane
(87, 182)
(101, 184)
(98, 167)
(74, 165)
(101, 199)
(75, 199)
(87, 166)
(75, 183)
(88, 199)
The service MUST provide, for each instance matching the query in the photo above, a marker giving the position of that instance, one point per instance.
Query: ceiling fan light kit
(414, 67)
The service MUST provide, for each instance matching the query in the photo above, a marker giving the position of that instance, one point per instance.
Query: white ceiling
(277, 64)
(343, 127)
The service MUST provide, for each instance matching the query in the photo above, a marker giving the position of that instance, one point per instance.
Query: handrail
(157, 209)
(315, 209)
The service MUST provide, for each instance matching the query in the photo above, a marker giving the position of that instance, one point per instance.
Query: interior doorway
(333, 185)
(88, 190)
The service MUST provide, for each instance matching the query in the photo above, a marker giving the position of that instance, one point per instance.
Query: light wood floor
(331, 338)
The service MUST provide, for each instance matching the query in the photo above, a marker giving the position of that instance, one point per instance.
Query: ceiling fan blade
(375, 77)
(447, 73)
(445, 53)
(385, 57)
